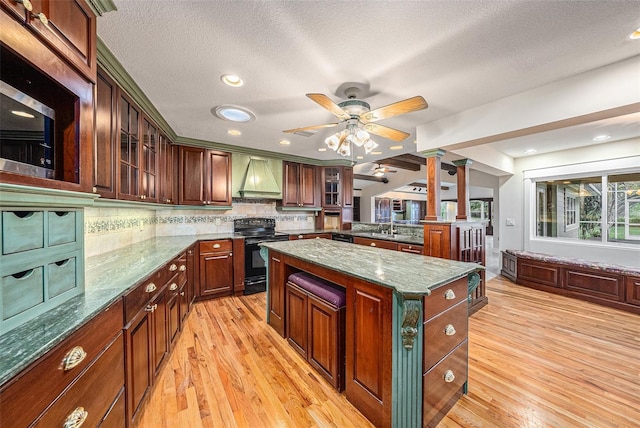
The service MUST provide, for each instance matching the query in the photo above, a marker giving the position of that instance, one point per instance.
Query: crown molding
(100, 7)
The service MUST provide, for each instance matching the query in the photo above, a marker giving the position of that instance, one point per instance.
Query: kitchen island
(406, 324)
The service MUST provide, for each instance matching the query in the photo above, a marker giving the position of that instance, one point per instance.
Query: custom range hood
(259, 181)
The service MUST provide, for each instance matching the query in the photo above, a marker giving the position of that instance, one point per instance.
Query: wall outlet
(218, 221)
(141, 225)
(310, 219)
(511, 221)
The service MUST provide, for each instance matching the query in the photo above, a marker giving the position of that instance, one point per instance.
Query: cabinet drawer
(61, 276)
(22, 231)
(388, 245)
(215, 246)
(442, 298)
(21, 291)
(440, 391)
(411, 248)
(62, 227)
(116, 416)
(445, 332)
(138, 297)
(93, 393)
(40, 384)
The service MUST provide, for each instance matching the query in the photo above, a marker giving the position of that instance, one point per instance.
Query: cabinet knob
(182, 268)
(151, 308)
(26, 3)
(373, 244)
(41, 17)
(173, 267)
(94, 189)
(300, 236)
(150, 288)
(449, 330)
(216, 245)
(76, 418)
(73, 358)
(449, 376)
(173, 287)
(449, 294)
(182, 293)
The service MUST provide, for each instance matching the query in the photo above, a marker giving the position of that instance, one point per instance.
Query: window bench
(607, 284)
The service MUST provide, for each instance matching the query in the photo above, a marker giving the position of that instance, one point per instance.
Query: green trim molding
(26, 196)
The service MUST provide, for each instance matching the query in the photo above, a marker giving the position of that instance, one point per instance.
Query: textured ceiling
(456, 54)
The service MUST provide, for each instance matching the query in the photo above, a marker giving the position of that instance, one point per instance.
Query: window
(578, 208)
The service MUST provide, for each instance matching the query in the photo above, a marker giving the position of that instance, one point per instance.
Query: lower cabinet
(216, 268)
(377, 243)
(277, 280)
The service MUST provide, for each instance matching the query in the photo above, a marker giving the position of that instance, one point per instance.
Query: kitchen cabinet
(299, 184)
(191, 276)
(204, 177)
(293, 237)
(377, 243)
(216, 268)
(129, 153)
(104, 168)
(337, 184)
(167, 170)
(410, 248)
(277, 294)
(66, 377)
(149, 161)
(66, 26)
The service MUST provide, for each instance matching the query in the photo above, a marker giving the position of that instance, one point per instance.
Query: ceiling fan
(357, 113)
(381, 170)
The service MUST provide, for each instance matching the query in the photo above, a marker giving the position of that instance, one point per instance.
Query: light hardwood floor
(535, 360)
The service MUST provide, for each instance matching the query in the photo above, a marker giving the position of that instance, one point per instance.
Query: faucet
(392, 231)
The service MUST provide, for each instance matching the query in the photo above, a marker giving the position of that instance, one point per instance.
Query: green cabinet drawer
(22, 291)
(61, 276)
(62, 227)
(22, 231)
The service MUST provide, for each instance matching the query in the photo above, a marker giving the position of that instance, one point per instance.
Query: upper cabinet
(104, 174)
(337, 189)
(299, 185)
(204, 177)
(67, 26)
(49, 61)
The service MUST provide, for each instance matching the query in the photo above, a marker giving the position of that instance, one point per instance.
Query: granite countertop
(405, 239)
(408, 274)
(107, 277)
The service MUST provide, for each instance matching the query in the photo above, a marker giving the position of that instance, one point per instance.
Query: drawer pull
(216, 245)
(74, 357)
(41, 17)
(173, 267)
(449, 294)
(300, 236)
(182, 293)
(150, 288)
(26, 3)
(449, 330)
(373, 244)
(173, 287)
(182, 268)
(449, 376)
(275, 260)
(151, 308)
(76, 418)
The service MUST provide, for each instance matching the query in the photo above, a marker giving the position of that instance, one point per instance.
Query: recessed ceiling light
(359, 157)
(530, 151)
(285, 142)
(635, 35)
(22, 114)
(322, 149)
(232, 80)
(602, 137)
(395, 148)
(234, 113)
(376, 153)
(415, 141)
(234, 132)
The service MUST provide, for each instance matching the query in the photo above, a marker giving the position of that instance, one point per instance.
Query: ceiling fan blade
(385, 131)
(395, 109)
(306, 128)
(326, 103)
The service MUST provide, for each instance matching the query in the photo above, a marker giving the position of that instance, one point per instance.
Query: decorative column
(463, 188)
(433, 183)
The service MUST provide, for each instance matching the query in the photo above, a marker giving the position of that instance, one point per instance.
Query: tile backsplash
(108, 229)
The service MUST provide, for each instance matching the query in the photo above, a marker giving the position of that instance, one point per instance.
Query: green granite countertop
(107, 277)
(407, 274)
(405, 239)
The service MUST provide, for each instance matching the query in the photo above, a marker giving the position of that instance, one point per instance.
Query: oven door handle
(255, 281)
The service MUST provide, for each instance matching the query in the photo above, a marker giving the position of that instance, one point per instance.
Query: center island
(406, 324)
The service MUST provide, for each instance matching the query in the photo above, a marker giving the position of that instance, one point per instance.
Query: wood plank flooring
(535, 360)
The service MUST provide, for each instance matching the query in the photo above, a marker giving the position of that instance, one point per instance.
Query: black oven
(256, 231)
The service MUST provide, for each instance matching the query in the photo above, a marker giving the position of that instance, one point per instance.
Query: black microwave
(27, 134)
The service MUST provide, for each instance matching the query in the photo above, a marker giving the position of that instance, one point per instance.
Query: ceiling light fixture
(376, 152)
(234, 132)
(22, 114)
(340, 142)
(602, 137)
(530, 151)
(232, 80)
(635, 35)
(285, 142)
(322, 149)
(395, 148)
(234, 113)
